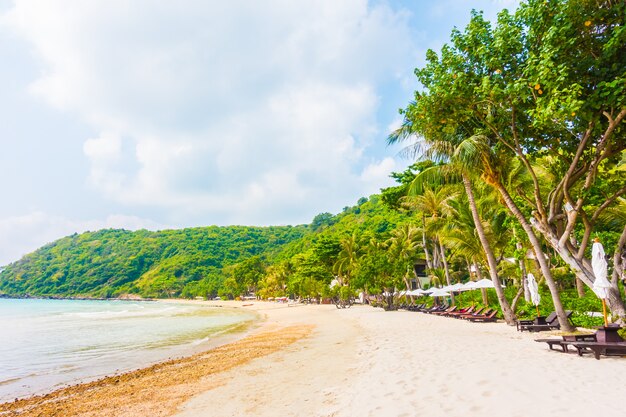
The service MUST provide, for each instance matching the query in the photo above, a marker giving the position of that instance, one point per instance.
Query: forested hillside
(110, 263)
(205, 261)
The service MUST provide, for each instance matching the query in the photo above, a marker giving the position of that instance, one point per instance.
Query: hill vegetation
(110, 263)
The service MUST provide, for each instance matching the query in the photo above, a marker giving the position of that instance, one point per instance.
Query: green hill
(204, 261)
(111, 263)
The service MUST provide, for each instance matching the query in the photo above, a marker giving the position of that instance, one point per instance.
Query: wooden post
(606, 321)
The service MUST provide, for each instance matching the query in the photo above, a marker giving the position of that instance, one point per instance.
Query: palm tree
(479, 155)
(402, 246)
(461, 158)
(347, 259)
(433, 205)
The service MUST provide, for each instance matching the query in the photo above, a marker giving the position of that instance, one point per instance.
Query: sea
(48, 344)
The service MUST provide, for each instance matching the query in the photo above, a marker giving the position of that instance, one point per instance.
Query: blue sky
(148, 114)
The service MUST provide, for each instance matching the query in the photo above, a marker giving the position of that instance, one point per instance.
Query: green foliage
(170, 263)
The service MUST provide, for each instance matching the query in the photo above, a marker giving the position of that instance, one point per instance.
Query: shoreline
(119, 394)
(79, 298)
(316, 360)
(82, 370)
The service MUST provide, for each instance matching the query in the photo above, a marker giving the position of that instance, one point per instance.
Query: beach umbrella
(439, 293)
(601, 285)
(484, 283)
(533, 288)
(452, 288)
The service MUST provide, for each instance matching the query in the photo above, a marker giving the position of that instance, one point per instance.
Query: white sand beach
(368, 362)
(316, 360)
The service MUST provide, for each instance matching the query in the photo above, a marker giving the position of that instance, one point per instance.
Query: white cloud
(23, 234)
(378, 173)
(246, 112)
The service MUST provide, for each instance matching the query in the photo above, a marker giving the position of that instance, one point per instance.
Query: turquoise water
(47, 344)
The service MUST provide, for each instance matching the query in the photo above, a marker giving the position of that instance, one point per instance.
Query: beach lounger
(550, 325)
(491, 317)
(479, 313)
(444, 312)
(597, 343)
(468, 310)
(567, 340)
(523, 324)
(436, 308)
(600, 348)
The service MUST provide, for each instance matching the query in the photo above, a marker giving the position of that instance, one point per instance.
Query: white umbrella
(470, 285)
(439, 293)
(601, 285)
(533, 288)
(418, 292)
(484, 283)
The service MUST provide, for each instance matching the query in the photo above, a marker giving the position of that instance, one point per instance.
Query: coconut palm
(402, 246)
(347, 259)
(460, 157)
(433, 206)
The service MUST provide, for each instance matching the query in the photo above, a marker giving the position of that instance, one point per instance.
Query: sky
(157, 114)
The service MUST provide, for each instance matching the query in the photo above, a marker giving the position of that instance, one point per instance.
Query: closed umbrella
(601, 285)
(533, 288)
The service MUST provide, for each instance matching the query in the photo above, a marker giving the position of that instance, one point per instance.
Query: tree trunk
(522, 268)
(429, 264)
(543, 264)
(445, 266)
(516, 299)
(405, 278)
(616, 303)
(618, 259)
(417, 278)
(618, 272)
(580, 288)
(509, 317)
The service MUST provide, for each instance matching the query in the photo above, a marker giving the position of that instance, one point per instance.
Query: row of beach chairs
(473, 314)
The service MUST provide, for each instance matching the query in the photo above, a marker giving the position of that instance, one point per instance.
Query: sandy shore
(319, 361)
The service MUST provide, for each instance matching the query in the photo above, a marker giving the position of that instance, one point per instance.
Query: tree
(548, 80)
(402, 247)
(347, 259)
